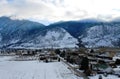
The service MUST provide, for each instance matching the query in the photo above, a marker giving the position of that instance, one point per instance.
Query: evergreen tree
(57, 51)
(84, 63)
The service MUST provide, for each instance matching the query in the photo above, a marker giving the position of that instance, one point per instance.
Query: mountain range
(67, 34)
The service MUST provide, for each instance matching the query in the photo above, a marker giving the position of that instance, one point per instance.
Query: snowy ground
(37, 70)
(33, 70)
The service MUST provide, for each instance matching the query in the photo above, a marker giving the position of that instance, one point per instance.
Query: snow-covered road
(33, 70)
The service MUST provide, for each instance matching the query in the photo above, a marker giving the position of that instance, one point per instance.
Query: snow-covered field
(33, 70)
(38, 70)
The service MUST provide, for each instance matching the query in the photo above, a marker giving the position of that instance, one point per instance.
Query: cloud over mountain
(57, 10)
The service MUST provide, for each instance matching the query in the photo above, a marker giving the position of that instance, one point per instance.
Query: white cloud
(56, 10)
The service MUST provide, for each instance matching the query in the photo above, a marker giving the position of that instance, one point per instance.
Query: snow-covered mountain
(28, 34)
(53, 38)
(102, 35)
(23, 33)
(94, 33)
(14, 31)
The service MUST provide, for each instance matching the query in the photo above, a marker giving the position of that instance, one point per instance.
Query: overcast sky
(46, 11)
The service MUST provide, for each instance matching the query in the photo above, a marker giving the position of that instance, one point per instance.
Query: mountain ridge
(18, 33)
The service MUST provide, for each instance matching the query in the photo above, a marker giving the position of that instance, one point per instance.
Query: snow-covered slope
(93, 33)
(102, 35)
(53, 38)
(14, 31)
(33, 70)
(28, 34)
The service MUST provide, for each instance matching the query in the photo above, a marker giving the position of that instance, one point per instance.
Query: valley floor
(33, 70)
(37, 70)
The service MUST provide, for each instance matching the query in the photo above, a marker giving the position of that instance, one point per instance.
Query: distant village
(82, 61)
